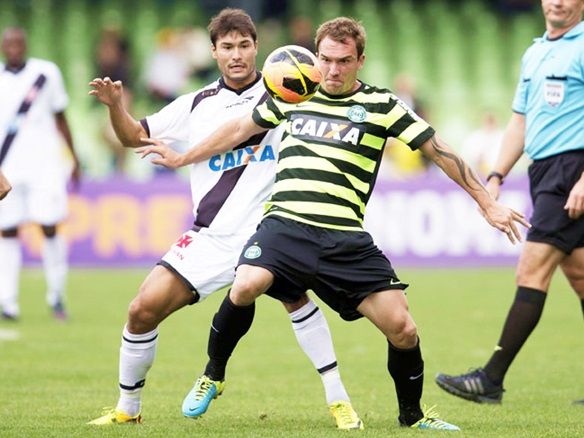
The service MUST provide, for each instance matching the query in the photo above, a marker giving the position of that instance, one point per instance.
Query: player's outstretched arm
(503, 218)
(223, 139)
(127, 129)
(5, 186)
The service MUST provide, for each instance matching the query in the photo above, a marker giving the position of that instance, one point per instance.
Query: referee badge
(554, 92)
(357, 114)
(252, 252)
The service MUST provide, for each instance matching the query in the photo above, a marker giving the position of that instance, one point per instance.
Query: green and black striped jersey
(331, 151)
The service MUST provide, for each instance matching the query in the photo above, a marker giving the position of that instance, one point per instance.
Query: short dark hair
(229, 20)
(340, 29)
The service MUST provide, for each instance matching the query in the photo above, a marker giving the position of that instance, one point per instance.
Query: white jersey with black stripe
(228, 190)
(35, 155)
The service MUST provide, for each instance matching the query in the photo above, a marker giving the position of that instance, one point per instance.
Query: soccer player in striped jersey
(312, 233)
(228, 191)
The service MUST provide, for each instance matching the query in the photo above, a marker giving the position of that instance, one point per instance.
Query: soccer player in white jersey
(228, 192)
(32, 129)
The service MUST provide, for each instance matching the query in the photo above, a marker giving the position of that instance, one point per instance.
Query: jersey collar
(239, 91)
(14, 70)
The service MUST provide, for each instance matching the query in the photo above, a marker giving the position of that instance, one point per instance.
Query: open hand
(107, 92)
(167, 156)
(505, 219)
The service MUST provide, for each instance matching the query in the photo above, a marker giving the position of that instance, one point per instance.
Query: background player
(32, 127)
(228, 192)
(548, 125)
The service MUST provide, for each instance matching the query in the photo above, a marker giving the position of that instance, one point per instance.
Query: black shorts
(341, 267)
(551, 180)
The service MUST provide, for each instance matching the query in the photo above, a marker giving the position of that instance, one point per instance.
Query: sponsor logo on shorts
(253, 252)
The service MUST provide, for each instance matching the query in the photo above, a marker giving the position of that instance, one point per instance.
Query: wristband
(496, 175)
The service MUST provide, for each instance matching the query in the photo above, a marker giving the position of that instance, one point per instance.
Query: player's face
(339, 65)
(562, 14)
(14, 48)
(236, 58)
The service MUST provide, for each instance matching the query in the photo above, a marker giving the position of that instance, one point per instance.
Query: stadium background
(462, 55)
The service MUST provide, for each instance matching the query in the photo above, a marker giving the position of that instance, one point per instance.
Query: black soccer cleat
(474, 386)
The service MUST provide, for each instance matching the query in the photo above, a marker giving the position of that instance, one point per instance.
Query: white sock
(313, 335)
(136, 357)
(10, 264)
(55, 264)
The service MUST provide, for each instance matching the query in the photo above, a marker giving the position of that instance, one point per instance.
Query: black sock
(521, 320)
(230, 324)
(406, 367)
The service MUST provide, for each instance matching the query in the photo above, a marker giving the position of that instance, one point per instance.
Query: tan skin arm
(223, 139)
(511, 150)
(128, 130)
(497, 215)
(63, 128)
(5, 186)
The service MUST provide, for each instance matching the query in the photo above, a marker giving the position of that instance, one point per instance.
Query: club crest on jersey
(252, 252)
(324, 129)
(357, 114)
(553, 92)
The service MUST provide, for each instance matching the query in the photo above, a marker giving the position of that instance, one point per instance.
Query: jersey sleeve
(267, 114)
(405, 125)
(170, 124)
(59, 98)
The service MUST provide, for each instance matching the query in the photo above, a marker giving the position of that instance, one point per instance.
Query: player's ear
(213, 51)
(361, 61)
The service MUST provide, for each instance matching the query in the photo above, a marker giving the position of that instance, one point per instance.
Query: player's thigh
(537, 264)
(250, 282)
(13, 208)
(47, 205)
(388, 311)
(161, 293)
(573, 267)
(205, 263)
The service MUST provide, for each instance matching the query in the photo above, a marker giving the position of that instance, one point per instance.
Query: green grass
(56, 376)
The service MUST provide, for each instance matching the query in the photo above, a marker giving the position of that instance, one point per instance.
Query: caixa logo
(241, 157)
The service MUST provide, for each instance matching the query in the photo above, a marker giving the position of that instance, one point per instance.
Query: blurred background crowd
(455, 62)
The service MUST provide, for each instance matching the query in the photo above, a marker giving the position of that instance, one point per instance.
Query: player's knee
(141, 318)
(244, 292)
(405, 333)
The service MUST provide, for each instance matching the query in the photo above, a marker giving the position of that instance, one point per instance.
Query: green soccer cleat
(345, 415)
(111, 416)
(199, 398)
(430, 421)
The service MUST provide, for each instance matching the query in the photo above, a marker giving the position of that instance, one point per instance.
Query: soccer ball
(291, 74)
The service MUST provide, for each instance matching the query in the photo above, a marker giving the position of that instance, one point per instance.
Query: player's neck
(555, 33)
(15, 67)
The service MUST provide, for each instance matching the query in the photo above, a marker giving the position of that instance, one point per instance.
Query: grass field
(55, 377)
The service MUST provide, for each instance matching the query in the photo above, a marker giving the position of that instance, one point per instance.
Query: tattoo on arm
(466, 174)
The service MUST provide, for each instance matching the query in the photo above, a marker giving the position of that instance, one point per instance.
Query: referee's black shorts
(551, 181)
(341, 267)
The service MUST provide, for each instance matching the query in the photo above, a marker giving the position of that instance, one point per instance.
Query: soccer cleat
(430, 421)
(345, 415)
(578, 402)
(111, 416)
(59, 312)
(474, 386)
(199, 398)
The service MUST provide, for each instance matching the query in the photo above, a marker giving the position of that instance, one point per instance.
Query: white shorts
(41, 204)
(206, 263)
